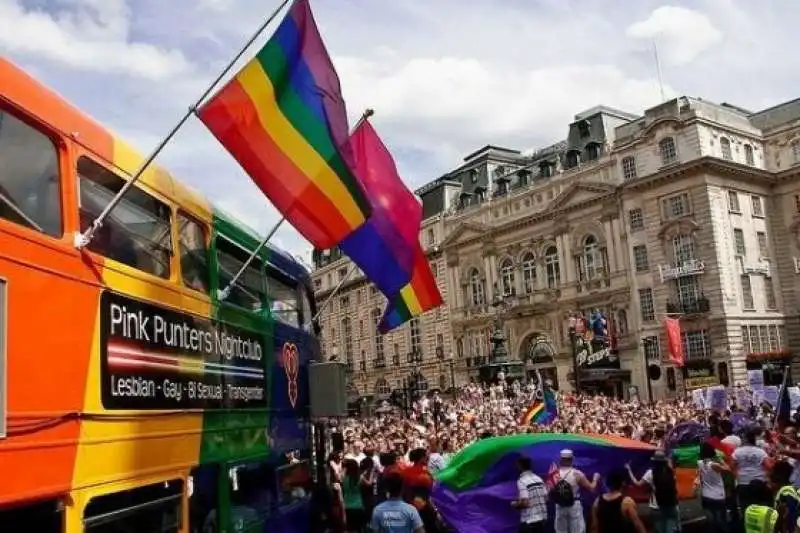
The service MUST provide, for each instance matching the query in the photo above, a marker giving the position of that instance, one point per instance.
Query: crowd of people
(382, 468)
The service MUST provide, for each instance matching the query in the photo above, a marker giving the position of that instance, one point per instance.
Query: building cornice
(695, 166)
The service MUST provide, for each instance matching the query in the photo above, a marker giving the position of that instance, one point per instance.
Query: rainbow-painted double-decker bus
(131, 397)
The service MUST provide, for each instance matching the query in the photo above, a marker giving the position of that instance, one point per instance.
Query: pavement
(692, 517)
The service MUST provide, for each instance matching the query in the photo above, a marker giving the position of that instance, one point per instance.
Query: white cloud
(444, 77)
(682, 34)
(456, 104)
(87, 35)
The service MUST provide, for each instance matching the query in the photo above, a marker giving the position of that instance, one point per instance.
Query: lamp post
(452, 363)
(645, 343)
(575, 323)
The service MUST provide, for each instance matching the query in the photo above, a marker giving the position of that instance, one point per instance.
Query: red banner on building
(672, 326)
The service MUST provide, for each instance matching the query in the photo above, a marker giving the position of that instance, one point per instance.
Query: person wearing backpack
(565, 495)
(660, 480)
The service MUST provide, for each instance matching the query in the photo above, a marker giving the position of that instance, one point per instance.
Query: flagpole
(368, 112)
(83, 239)
(334, 292)
(224, 293)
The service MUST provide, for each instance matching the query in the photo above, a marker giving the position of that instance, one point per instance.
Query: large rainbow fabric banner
(283, 118)
(475, 491)
(384, 247)
(420, 295)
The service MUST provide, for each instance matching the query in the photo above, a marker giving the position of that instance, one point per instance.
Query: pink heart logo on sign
(291, 365)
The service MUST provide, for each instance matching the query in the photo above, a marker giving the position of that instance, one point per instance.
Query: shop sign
(595, 355)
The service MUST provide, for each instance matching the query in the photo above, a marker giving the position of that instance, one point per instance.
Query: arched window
(573, 159)
(477, 290)
(592, 151)
(590, 258)
(725, 147)
(551, 267)
(669, 154)
(683, 248)
(382, 388)
(507, 276)
(622, 322)
(528, 272)
(749, 156)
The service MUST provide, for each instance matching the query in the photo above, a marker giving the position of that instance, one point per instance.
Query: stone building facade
(690, 211)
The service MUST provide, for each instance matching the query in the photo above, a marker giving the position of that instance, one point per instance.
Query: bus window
(293, 481)
(30, 192)
(203, 499)
(252, 496)
(136, 232)
(194, 254)
(308, 308)
(283, 300)
(155, 508)
(248, 292)
(44, 517)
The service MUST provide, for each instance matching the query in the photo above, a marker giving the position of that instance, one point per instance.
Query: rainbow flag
(542, 411)
(384, 247)
(421, 294)
(283, 118)
(468, 492)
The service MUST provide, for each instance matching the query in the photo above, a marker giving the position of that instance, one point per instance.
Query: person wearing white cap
(566, 495)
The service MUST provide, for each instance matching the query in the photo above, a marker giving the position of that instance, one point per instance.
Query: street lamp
(452, 363)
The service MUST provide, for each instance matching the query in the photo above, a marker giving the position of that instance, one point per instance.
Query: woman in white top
(749, 463)
(712, 488)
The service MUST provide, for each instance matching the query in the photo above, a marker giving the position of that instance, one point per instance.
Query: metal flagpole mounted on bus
(224, 293)
(335, 290)
(83, 239)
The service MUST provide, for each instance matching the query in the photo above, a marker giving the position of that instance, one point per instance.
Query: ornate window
(725, 147)
(749, 156)
(382, 387)
(629, 168)
(528, 272)
(347, 338)
(416, 336)
(590, 261)
(669, 154)
(507, 276)
(683, 248)
(380, 355)
(551, 267)
(476, 288)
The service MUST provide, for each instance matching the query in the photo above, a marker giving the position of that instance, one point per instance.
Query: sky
(445, 77)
